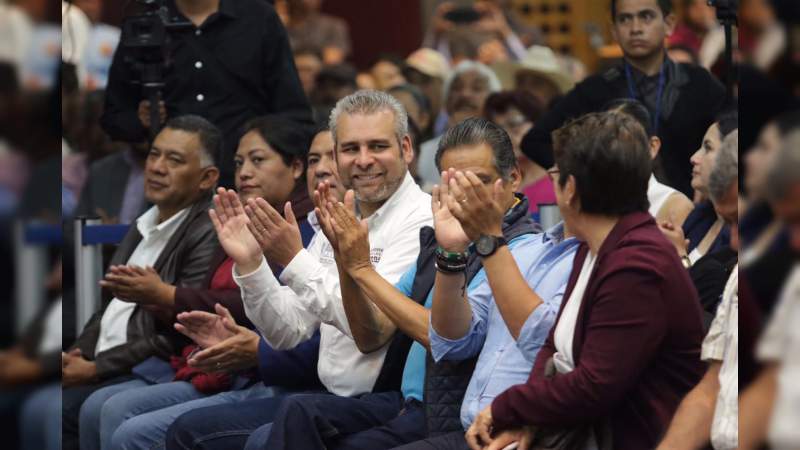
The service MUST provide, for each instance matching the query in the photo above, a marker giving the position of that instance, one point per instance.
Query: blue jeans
(258, 437)
(148, 430)
(222, 427)
(40, 419)
(92, 408)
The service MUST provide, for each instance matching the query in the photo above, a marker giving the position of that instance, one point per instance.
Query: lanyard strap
(659, 93)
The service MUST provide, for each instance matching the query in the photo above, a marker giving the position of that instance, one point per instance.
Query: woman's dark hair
(288, 137)
(727, 121)
(607, 153)
(524, 101)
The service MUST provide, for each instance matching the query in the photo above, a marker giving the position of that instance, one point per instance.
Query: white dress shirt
(722, 344)
(310, 297)
(780, 344)
(658, 194)
(114, 324)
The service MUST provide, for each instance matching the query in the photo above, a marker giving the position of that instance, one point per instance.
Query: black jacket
(183, 262)
(691, 100)
(235, 66)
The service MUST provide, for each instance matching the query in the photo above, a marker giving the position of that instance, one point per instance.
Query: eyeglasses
(552, 174)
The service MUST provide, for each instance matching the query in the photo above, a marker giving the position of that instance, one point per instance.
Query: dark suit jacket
(183, 262)
(636, 345)
(681, 131)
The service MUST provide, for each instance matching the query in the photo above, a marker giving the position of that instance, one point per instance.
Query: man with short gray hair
(465, 92)
(372, 150)
(172, 242)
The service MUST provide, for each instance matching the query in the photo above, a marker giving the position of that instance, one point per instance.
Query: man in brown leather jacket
(174, 241)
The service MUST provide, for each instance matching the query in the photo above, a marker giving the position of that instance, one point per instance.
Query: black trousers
(72, 400)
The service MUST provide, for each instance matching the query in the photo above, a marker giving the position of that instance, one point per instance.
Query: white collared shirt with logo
(114, 324)
(310, 297)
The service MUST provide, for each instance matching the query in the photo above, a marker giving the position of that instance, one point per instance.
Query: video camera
(727, 15)
(146, 38)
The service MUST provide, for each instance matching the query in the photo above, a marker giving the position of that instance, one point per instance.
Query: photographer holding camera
(225, 60)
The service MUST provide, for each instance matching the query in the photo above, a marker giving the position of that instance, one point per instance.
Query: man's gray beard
(383, 193)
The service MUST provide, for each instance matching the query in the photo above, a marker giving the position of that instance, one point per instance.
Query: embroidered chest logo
(375, 255)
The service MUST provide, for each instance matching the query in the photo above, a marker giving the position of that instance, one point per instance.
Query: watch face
(485, 245)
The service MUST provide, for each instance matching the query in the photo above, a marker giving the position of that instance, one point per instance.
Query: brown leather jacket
(183, 262)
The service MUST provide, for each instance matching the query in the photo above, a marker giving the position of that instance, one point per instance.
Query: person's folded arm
(627, 328)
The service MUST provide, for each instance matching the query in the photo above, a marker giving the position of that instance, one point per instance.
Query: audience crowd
(321, 257)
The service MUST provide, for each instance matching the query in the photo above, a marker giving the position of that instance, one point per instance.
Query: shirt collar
(638, 75)
(147, 222)
(554, 233)
(313, 221)
(227, 8)
(406, 186)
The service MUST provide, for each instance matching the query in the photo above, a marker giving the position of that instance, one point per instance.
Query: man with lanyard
(682, 99)
(232, 62)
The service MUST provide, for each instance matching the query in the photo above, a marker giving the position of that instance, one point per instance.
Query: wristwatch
(486, 245)
(687, 262)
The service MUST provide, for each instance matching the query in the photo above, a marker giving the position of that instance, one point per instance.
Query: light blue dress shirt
(545, 261)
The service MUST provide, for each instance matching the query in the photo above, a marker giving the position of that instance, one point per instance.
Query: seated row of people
(388, 317)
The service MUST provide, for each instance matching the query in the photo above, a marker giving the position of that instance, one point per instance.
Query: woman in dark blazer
(626, 345)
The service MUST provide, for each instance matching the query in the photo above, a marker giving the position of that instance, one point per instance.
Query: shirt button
(198, 32)
(200, 97)
(198, 65)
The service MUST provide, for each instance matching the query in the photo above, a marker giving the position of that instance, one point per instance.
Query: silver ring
(219, 365)
(463, 200)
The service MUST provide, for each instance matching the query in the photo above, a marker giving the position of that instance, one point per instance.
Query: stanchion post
(30, 262)
(88, 271)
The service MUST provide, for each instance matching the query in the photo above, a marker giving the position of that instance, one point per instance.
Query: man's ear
(515, 178)
(670, 20)
(209, 178)
(297, 168)
(406, 151)
(655, 146)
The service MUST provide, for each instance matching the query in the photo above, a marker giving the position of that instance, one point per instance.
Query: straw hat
(430, 62)
(539, 59)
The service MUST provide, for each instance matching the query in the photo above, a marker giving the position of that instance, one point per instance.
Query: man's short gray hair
(471, 66)
(726, 167)
(785, 169)
(367, 102)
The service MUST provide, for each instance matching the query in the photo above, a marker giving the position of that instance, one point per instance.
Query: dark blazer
(183, 262)
(636, 345)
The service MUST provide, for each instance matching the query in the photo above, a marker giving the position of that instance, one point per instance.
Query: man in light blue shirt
(545, 261)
